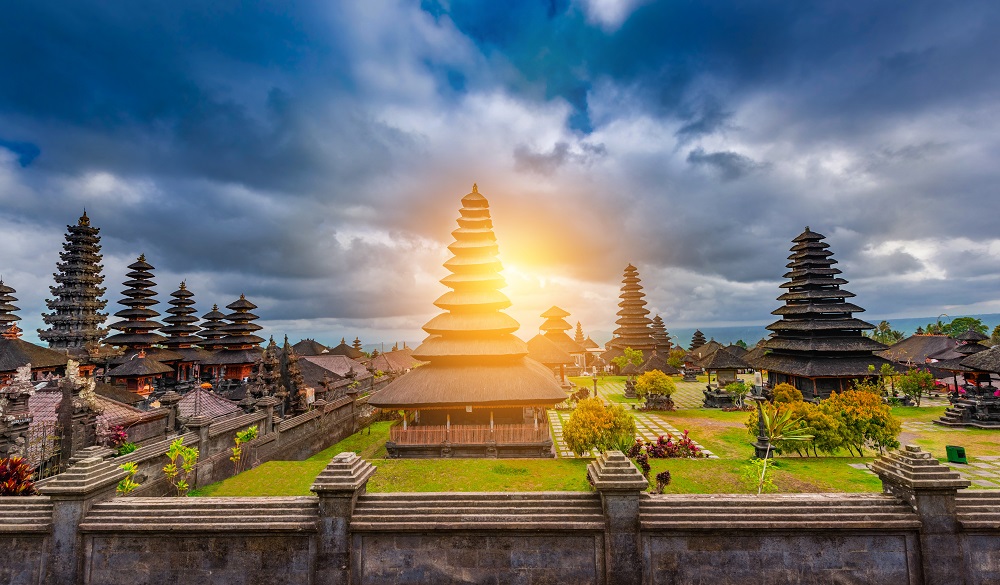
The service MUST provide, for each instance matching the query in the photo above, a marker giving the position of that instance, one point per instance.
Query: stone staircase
(199, 515)
(794, 511)
(21, 514)
(979, 509)
(954, 416)
(478, 511)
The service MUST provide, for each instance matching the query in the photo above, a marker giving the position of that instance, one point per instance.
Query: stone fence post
(267, 403)
(169, 401)
(931, 489)
(338, 487)
(204, 470)
(621, 486)
(73, 492)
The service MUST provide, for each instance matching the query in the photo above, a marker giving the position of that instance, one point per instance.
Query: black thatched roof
(984, 361)
(817, 335)
(226, 357)
(752, 356)
(309, 347)
(15, 353)
(658, 361)
(972, 335)
(631, 369)
(544, 351)
(633, 324)
(916, 349)
(721, 359)
(346, 350)
(139, 365)
(737, 350)
(525, 383)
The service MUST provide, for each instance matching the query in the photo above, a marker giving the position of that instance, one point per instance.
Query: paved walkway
(649, 427)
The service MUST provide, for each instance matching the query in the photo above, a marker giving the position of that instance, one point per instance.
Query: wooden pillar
(404, 419)
(447, 422)
(491, 420)
(534, 412)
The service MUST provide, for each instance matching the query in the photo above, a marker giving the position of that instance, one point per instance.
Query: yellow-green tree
(654, 382)
(596, 426)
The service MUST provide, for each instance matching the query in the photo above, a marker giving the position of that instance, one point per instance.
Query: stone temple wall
(925, 529)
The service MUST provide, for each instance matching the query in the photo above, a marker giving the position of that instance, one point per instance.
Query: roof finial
(807, 228)
(475, 188)
(84, 220)
(183, 285)
(142, 258)
(243, 297)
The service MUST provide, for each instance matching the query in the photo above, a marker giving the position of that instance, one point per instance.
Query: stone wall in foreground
(925, 529)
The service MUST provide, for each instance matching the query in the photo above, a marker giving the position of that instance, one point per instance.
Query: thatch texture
(473, 356)
(633, 324)
(721, 359)
(137, 328)
(544, 351)
(658, 361)
(984, 361)
(15, 353)
(181, 323)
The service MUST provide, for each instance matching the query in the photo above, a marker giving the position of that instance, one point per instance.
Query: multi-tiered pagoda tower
(211, 330)
(15, 352)
(660, 336)
(7, 316)
(240, 348)
(137, 329)
(817, 346)
(554, 329)
(183, 334)
(477, 396)
(76, 320)
(633, 324)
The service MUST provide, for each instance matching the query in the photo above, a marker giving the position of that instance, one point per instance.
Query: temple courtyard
(722, 434)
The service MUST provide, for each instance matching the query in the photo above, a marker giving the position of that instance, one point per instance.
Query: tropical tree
(960, 325)
(916, 384)
(676, 357)
(884, 333)
(631, 356)
(995, 336)
(780, 425)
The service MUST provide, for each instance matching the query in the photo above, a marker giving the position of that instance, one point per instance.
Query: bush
(16, 477)
(126, 448)
(916, 384)
(595, 426)
(654, 382)
(865, 421)
(786, 393)
(662, 481)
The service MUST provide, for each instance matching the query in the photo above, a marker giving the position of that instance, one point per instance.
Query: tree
(786, 393)
(995, 336)
(676, 357)
(916, 384)
(741, 343)
(866, 421)
(596, 426)
(884, 333)
(960, 325)
(654, 382)
(780, 426)
(631, 356)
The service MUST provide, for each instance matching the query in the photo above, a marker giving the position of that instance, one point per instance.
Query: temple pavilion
(478, 395)
(554, 329)
(817, 346)
(16, 352)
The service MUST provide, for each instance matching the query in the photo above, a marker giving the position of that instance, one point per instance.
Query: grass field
(724, 433)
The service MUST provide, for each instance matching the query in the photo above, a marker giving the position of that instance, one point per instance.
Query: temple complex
(478, 395)
(697, 340)
(346, 350)
(976, 403)
(817, 346)
(137, 330)
(309, 347)
(633, 324)
(76, 318)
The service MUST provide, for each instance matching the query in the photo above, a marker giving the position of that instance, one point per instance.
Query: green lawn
(724, 433)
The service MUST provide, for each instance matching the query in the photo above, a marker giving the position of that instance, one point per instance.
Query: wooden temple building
(554, 329)
(478, 395)
(238, 350)
(817, 346)
(76, 318)
(975, 403)
(16, 352)
(183, 335)
(633, 323)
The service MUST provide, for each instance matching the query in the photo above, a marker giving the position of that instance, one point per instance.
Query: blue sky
(313, 155)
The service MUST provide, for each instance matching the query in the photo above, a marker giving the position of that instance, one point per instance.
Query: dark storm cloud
(307, 154)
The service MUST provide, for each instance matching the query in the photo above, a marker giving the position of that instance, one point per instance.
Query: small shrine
(976, 403)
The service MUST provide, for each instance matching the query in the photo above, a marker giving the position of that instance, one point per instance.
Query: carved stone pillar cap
(170, 398)
(916, 469)
(613, 472)
(199, 420)
(88, 476)
(345, 474)
(319, 403)
(268, 401)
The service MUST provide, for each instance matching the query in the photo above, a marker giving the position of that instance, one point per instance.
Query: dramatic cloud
(313, 156)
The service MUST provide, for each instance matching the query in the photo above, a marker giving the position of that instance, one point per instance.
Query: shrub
(126, 448)
(128, 485)
(662, 481)
(668, 448)
(755, 476)
(243, 436)
(865, 421)
(596, 426)
(177, 476)
(786, 393)
(16, 477)
(114, 436)
(654, 382)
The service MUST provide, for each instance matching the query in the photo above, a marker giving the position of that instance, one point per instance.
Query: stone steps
(805, 511)
(296, 514)
(25, 514)
(978, 509)
(475, 511)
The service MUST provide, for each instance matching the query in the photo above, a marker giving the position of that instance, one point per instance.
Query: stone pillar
(930, 488)
(267, 403)
(203, 471)
(621, 486)
(338, 487)
(73, 493)
(169, 401)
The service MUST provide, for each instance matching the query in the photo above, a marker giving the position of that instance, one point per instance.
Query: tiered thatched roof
(309, 347)
(554, 329)
(545, 351)
(14, 351)
(137, 330)
(473, 357)
(660, 335)
(722, 359)
(817, 335)
(346, 350)
(182, 329)
(633, 324)
(212, 328)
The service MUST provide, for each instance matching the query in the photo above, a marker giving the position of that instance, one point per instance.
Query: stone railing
(922, 530)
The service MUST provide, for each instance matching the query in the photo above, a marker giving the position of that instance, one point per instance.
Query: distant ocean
(751, 334)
